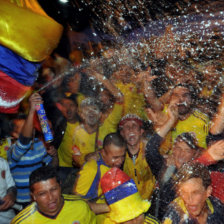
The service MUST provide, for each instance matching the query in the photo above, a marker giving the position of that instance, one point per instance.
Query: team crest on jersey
(76, 222)
(76, 151)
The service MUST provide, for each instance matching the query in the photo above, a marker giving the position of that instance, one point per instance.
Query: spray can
(48, 137)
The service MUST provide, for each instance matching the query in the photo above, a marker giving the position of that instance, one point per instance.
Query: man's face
(74, 83)
(182, 153)
(18, 125)
(113, 155)
(125, 74)
(47, 195)
(90, 115)
(69, 109)
(194, 195)
(182, 98)
(131, 132)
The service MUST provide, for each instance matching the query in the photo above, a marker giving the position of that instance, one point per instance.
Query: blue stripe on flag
(122, 191)
(18, 68)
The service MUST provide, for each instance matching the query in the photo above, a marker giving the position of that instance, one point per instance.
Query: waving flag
(27, 36)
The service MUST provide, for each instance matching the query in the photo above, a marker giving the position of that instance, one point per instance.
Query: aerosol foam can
(48, 137)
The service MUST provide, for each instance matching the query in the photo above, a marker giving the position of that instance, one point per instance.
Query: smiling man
(49, 205)
(135, 165)
(194, 204)
(190, 119)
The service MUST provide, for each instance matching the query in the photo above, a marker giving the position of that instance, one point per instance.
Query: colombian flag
(122, 196)
(27, 36)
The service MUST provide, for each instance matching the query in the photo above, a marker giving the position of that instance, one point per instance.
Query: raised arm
(153, 156)
(217, 125)
(172, 118)
(145, 78)
(27, 129)
(106, 83)
(213, 154)
(24, 141)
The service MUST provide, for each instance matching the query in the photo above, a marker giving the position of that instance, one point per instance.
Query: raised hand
(34, 99)
(145, 76)
(216, 150)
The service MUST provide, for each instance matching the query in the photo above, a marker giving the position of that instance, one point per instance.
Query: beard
(183, 109)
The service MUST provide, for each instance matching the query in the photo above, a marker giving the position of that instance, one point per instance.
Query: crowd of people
(125, 149)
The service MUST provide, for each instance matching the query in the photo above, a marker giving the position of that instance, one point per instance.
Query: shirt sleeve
(86, 185)
(17, 150)
(115, 115)
(149, 219)
(8, 177)
(205, 159)
(153, 157)
(171, 216)
(46, 158)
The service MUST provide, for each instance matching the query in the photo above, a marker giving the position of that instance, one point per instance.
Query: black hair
(115, 139)
(5, 126)
(191, 170)
(42, 174)
(72, 97)
(189, 139)
(193, 91)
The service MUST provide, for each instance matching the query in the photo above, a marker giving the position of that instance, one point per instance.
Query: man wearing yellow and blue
(88, 182)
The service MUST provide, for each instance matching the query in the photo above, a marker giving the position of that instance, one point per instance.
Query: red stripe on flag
(11, 93)
(112, 179)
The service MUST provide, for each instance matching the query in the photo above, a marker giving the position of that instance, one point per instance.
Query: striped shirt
(149, 219)
(22, 161)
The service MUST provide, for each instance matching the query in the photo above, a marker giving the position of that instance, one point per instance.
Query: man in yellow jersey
(69, 109)
(134, 101)
(88, 182)
(194, 204)
(135, 164)
(189, 118)
(49, 205)
(88, 136)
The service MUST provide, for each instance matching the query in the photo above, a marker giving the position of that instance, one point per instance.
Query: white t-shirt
(6, 181)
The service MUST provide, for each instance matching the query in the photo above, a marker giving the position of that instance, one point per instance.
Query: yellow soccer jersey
(65, 151)
(140, 172)
(197, 123)
(4, 146)
(74, 211)
(88, 185)
(84, 143)
(177, 211)
(149, 219)
(134, 101)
